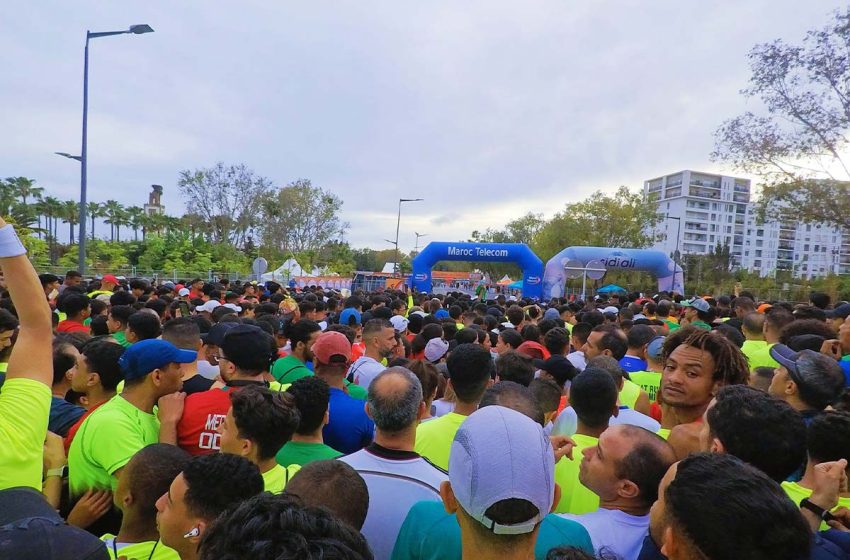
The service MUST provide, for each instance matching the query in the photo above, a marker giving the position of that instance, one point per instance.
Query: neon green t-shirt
(575, 497)
(434, 438)
(121, 338)
(275, 479)
(289, 368)
(797, 493)
(147, 550)
(649, 381)
(630, 393)
(24, 409)
(758, 354)
(303, 453)
(664, 433)
(106, 441)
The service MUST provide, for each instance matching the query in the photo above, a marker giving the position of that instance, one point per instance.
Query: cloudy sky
(487, 109)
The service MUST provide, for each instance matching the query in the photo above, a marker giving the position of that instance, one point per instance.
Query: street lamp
(418, 235)
(135, 30)
(676, 252)
(397, 225)
(69, 156)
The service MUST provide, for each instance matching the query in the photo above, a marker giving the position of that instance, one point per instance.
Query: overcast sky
(487, 109)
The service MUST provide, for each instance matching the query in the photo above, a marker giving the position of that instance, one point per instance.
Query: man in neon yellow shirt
(593, 396)
(146, 477)
(470, 373)
(25, 396)
(755, 347)
(112, 434)
(260, 421)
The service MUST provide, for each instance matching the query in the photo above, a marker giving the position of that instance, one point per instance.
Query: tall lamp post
(135, 30)
(676, 253)
(418, 235)
(397, 226)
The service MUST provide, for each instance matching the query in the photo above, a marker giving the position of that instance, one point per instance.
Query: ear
(628, 489)
(327, 418)
(246, 447)
(669, 546)
(616, 411)
(557, 497)
(69, 375)
(127, 500)
(422, 411)
(790, 387)
(448, 496)
(366, 409)
(607, 352)
(716, 446)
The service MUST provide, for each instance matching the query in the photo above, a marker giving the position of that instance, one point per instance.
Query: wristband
(10, 244)
(60, 472)
(824, 514)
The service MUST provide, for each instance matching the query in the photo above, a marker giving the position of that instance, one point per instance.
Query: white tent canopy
(286, 271)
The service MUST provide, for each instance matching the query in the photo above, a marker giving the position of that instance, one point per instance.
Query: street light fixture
(418, 235)
(676, 253)
(82, 158)
(69, 156)
(397, 225)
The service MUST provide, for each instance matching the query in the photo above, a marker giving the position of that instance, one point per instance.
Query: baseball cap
(110, 278)
(840, 312)
(245, 340)
(763, 307)
(332, 347)
(697, 303)
(209, 306)
(655, 346)
(30, 529)
(347, 314)
(183, 292)
(217, 332)
(557, 366)
(551, 313)
(499, 454)
(799, 364)
(145, 356)
(436, 349)
(611, 309)
(441, 314)
(232, 306)
(399, 323)
(173, 286)
(533, 350)
(804, 341)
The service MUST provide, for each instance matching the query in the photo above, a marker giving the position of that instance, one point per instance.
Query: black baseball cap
(30, 529)
(559, 367)
(217, 332)
(840, 312)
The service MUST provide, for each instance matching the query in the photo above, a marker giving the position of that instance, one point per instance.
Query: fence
(163, 275)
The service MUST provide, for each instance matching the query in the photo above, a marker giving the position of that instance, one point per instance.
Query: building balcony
(705, 193)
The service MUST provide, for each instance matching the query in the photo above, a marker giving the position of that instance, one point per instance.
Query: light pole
(135, 30)
(418, 235)
(676, 252)
(397, 226)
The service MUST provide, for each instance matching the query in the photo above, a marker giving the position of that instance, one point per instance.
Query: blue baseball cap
(347, 313)
(441, 314)
(145, 356)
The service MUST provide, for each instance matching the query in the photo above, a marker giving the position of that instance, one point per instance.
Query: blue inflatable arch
(669, 275)
(532, 266)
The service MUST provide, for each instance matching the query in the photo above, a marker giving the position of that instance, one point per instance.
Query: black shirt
(197, 384)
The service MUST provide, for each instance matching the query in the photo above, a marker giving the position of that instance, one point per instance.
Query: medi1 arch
(532, 266)
(669, 275)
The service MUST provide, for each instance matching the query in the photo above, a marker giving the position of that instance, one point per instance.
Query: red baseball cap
(110, 278)
(332, 348)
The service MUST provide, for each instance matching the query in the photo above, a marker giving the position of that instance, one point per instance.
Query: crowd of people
(218, 420)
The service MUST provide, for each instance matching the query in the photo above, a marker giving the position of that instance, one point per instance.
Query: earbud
(196, 531)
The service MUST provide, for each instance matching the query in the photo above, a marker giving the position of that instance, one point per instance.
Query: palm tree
(71, 216)
(95, 210)
(135, 219)
(52, 208)
(24, 188)
(112, 210)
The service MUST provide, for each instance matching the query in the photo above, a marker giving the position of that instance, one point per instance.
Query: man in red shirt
(77, 308)
(244, 357)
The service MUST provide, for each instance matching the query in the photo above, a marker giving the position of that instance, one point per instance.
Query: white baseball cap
(209, 306)
(436, 349)
(399, 323)
(232, 306)
(500, 454)
(183, 292)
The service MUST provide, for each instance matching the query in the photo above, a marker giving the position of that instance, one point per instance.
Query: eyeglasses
(220, 358)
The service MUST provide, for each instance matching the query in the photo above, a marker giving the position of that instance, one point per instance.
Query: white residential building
(701, 210)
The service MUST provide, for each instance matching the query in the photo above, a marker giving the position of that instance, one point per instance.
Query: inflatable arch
(532, 266)
(669, 275)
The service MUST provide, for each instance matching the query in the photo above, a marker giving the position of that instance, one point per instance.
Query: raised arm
(31, 357)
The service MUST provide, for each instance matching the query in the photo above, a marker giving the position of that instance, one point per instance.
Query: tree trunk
(71, 238)
(92, 226)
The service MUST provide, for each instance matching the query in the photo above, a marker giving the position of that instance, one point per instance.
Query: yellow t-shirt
(797, 493)
(630, 393)
(649, 381)
(575, 497)
(664, 432)
(758, 354)
(150, 550)
(24, 410)
(434, 438)
(275, 479)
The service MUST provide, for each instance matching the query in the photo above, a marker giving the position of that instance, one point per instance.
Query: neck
(797, 404)
(654, 366)
(136, 530)
(265, 465)
(333, 381)
(624, 505)
(189, 370)
(298, 354)
(60, 390)
(687, 414)
(585, 430)
(464, 408)
(373, 353)
(312, 438)
(97, 395)
(237, 375)
(474, 548)
(140, 397)
(634, 353)
(398, 441)
(771, 338)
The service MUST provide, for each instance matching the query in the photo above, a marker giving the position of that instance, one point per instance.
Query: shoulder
(684, 439)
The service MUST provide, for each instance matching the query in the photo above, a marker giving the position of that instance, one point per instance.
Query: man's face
(687, 379)
(113, 325)
(598, 469)
(173, 519)
(780, 380)
(740, 312)
(591, 348)
(230, 441)
(50, 286)
(658, 512)
(691, 314)
(170, 379)
(501, 346)
(197, 286)
(308, 349)
(844, 335)
(73, 281)
(81, 375)
(6, 338)
(386, 341)
(705, 429)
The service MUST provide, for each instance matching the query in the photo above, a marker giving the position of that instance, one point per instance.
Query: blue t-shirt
(845, 367)
(348, 429)
(63, 415)
(429, 533)
(631, 363)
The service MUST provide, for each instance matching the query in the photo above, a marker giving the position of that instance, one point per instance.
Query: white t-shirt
(441, 407)
(577, 359)
(207, 370)
(566, 423)
(364, 370)
(396, 480)
(615, 530)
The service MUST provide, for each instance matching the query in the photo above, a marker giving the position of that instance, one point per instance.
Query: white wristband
(10, 244)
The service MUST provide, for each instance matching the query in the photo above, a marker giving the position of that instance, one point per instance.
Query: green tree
(24, 188)
(136, 219)
(798, 145)
(114, 213)
(71, 216)
(94, 211)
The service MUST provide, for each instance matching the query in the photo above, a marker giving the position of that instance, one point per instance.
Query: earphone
(196, 531)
